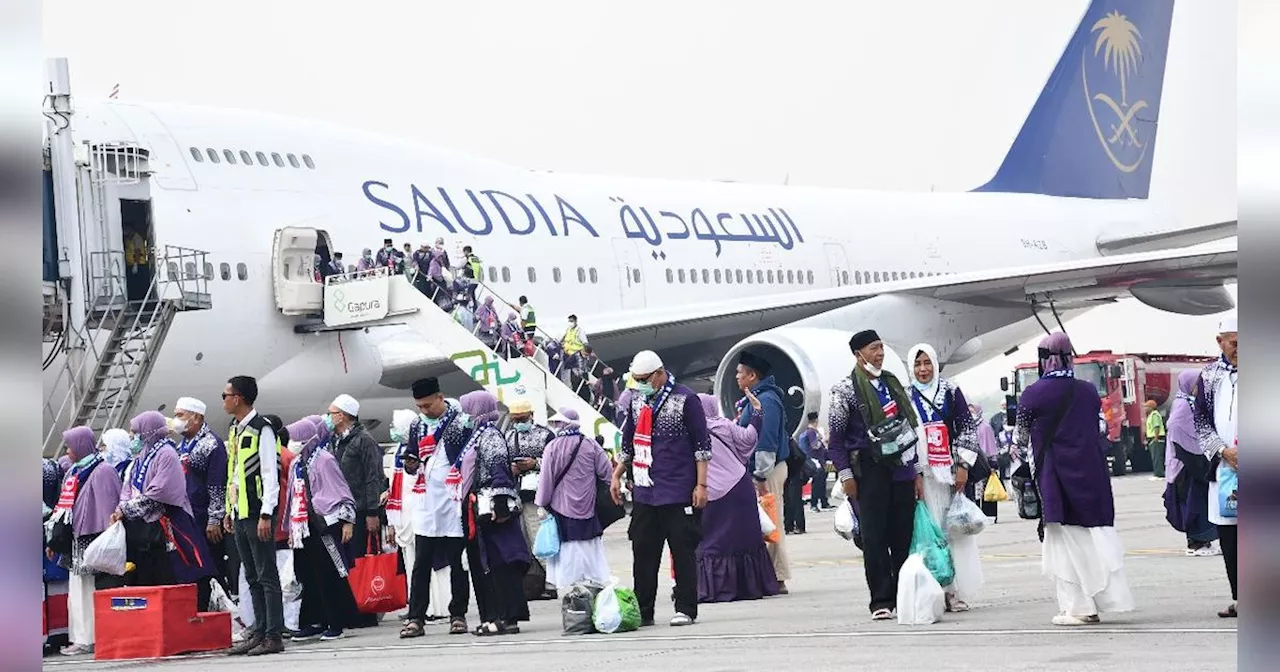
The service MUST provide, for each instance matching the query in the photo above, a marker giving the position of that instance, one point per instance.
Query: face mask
(328, 421)
(645, 388)
(176, 425)
(874, 371)
(468, 422)
(295, 447)
(397, 436)
(523, 427)
(135, 446)
(388, 248)
(431, 423)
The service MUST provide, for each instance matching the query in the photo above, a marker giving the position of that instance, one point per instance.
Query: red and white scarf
(643, 443)
(395, 499)
(299, 528)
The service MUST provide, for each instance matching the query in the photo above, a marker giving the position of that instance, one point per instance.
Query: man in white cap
(527, 440)
(666, 446)
(1216, 417)
(204, 459)
(360, 459)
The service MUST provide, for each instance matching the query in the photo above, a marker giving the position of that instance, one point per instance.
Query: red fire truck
(1124, 382)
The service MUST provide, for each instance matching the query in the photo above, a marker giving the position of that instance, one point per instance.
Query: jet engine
(806, 363)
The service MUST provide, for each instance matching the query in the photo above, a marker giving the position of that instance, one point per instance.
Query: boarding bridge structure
(369, 298)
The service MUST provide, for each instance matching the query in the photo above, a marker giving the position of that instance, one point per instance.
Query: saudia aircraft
(695, 271)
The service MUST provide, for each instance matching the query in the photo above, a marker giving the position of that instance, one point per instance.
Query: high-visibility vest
(245, 482)
(527, 317)
(572, 342)
(474, 262)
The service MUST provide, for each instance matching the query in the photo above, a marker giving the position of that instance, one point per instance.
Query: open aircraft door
(293, 272)
(837, 264)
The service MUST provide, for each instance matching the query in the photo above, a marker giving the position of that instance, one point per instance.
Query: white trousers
(80, 609)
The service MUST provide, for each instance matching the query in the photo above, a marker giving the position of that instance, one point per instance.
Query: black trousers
(793, 500)
(258, 558)
(888, 510)
(991, 509)
(326, 597)
(651, 527)
(818, 491)
(1229, 540)
(500, 591)
(424, 549)
(145, 548)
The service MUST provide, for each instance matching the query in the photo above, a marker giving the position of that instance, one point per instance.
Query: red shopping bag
(376, 582)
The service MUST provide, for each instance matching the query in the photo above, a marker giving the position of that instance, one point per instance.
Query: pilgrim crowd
(470, 489)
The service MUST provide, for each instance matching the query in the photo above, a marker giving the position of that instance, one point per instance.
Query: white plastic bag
(920, 598)
(964, 516)
(106, 554)
(766, 523)
(846, 523)
(607, 616)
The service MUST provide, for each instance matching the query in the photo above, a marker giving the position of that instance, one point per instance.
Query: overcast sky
(912, 95)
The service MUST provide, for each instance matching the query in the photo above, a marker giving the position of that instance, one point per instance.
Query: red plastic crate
(155, 621)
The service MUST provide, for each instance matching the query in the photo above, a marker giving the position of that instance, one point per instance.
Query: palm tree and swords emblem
(1117, 43)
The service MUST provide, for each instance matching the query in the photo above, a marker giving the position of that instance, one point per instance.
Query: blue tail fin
(1092, 132)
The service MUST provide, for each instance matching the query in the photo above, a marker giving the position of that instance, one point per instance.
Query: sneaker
(681, 619)
(251, 641)
(331, 634)
(308, 633)
(1207, 550)
(1066, 620)
(267, 646)
(76, 649)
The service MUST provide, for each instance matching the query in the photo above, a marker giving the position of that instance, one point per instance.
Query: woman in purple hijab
(157, 512)
(990, 448)
(496, 549)
(733, 563)
(487, 323)
(572, 465)
(1186, 473)
(318, 523)
(88, 496)
(1058, 418)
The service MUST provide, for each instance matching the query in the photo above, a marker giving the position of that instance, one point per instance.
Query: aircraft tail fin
(1092, 132)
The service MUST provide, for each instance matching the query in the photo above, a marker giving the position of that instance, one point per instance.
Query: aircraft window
(635, 275)
(208, 271)
(671, 276)
(681, 273)
(506, 274)
(191, 269)
(770, 276)
(293, 161)
(759, 276)
(750, 277)
(706, 277)
(533, 275)
(195, 154)
(493, 274)
(555, 274)
(877, 276)
(595, 277)
(718, 276)
(895, 275)
(230, 156)
(810, 276)
(242, 271)
(213, 155)
(844, 277)
(245, 158)
(306, 158)
(262, 158)
(791, 277)
(738, 275)
(582, 275)
(225, 270)
(693, 276)
(275, 158)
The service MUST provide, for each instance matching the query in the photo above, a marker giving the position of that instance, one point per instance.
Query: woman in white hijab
(116, 449)
(948, 450)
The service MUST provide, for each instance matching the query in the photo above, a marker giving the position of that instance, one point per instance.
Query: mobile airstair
(373, 297)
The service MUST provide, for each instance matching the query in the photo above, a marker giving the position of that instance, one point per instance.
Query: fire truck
(1125, 381)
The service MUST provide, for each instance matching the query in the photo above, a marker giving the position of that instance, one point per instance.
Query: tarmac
(823, 624)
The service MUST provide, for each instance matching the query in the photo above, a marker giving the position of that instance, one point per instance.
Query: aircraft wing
(1155, 277)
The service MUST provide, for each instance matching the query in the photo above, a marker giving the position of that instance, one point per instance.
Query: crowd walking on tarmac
(485, 503)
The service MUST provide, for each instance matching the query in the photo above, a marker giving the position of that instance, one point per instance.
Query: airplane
(695, 271)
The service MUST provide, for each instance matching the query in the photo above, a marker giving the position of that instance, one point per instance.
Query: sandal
(491, 629)
(1229, 612)
(411, 630)
(955, 605)
(457, 626)
(881, 615)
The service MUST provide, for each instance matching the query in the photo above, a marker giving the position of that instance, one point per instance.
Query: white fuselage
(560, 239)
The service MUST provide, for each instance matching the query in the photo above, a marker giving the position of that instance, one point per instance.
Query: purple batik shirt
(680, 441)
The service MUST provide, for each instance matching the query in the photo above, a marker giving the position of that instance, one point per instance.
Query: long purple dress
(1075, 484)
(733, 562)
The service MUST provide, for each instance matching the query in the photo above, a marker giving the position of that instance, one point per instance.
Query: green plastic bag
(630, 610)
(929, 541)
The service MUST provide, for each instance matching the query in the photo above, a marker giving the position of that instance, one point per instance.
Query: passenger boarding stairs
(371, 297)
(100, 384)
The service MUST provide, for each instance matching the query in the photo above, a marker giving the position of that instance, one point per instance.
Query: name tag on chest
(938, 444)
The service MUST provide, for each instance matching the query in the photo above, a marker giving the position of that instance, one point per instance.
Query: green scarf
(875, 412)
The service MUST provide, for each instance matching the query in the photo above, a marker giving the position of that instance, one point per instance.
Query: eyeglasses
(230, 394)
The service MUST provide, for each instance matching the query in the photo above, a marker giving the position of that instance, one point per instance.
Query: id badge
(484, 505)
(889, 448)
(938, 444)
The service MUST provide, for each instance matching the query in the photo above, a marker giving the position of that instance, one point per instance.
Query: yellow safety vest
(244, 469)
(572, 343)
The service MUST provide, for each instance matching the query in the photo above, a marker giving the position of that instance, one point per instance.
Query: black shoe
(646, 622)
(268, 645)
(251, 642)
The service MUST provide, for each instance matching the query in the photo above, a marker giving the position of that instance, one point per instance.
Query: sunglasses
(230, 394)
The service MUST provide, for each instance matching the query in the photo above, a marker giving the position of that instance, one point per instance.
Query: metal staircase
(99, 386)
(366, 297)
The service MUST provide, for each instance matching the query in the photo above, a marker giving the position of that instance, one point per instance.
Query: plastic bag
(965, 517)
(546, 543)
(766, 524)
(921, 600)
(929, 541)
(576, 608)
(1228, 486)
(106, 554)
(769, 505)
(995, 491)
(607, 614)
(630, 607)
(847, 524)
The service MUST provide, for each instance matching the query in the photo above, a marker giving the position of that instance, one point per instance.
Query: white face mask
(295, 447)
(874, 371)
